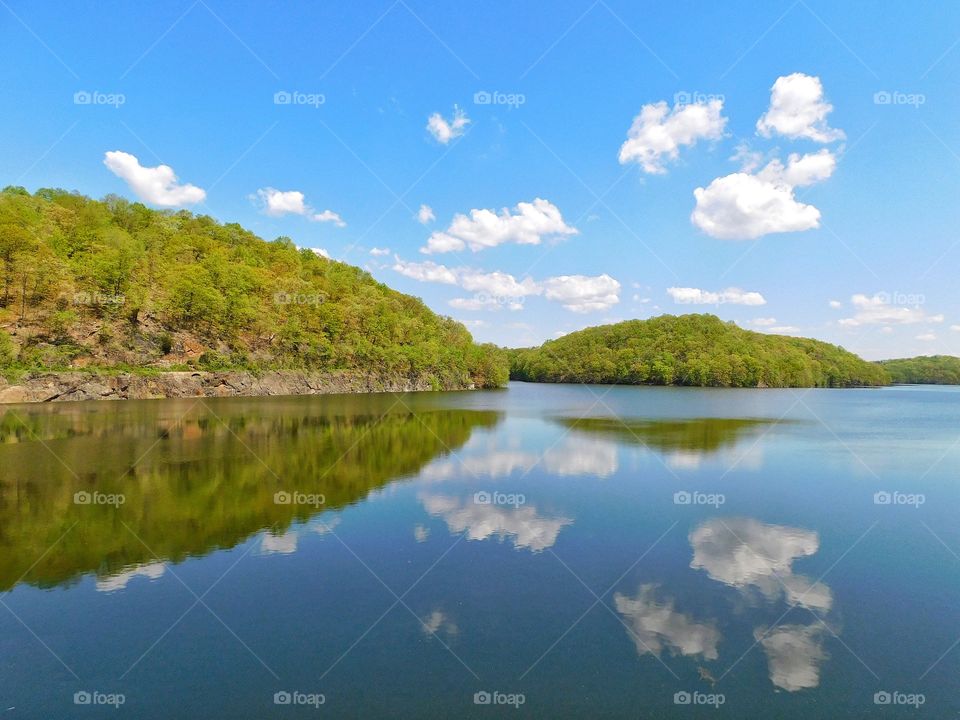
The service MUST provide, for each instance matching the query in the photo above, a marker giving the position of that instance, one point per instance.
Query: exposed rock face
(86, 386)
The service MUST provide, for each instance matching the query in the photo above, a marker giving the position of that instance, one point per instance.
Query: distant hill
(699, 350)
(924, 370)
(115, 286)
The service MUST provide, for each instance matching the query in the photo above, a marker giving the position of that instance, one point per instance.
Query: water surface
(587, 551)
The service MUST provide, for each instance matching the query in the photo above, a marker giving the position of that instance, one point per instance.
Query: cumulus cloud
(277, 203)
(763, 322)
(577, 293)
(878, 310)
(927, 337)
(798, 110)
(658, 132)
(444, 131)
(731, 296)
(529, 224)
(582, 293)
(427, 271)
(657, 625)
(379, 251)
(154, 185)
(745, 206)
(836, 304)
(425, 215)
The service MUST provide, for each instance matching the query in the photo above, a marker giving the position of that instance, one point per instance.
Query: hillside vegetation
(112, 285)
(926, 370)
(697, 350)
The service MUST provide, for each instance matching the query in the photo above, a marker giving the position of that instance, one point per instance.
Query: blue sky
(824, 140)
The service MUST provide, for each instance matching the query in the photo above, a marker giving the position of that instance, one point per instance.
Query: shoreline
(81, 386)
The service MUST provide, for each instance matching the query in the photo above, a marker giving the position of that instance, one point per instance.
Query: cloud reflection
(657, 625)
(794, 655)
(745, 553)
(523, 525)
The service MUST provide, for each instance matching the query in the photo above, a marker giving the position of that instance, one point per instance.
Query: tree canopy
(925, 370)
(115, 284)
(699, 350)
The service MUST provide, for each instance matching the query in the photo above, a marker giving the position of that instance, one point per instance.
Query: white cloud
(156, 185)
(657, 133)
(744, 206)
(428, 271)
(583, 294)
(327, 216)
(877, 310)
(836, 304)
(783, 329)
(731, 296)
(425, 215)
(656, 625)
(498, 284)
(801, 170)
(277, 203)
(763, 322)
(379, 251)
(955, 328)
(529, 225)
(577, 293)
(444, 131)
(798, 110)
(927, 337)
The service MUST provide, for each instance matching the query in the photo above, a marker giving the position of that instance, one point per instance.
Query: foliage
(926, 370)
(109, 283)
(699, 350)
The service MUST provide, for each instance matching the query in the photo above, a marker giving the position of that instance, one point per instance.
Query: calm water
(575, 551)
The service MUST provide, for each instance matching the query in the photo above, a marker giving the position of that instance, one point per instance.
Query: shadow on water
(195, 476)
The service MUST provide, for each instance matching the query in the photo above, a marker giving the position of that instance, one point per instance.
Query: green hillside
(113, 285)
(925, 370)
(699, 350)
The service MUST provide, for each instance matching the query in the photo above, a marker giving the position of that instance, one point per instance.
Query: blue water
(574, 551)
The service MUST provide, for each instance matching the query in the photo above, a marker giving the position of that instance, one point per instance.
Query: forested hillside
(924, 370)
(113, 285)
(691, 350)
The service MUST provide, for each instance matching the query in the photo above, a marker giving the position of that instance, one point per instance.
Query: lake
(542, 551)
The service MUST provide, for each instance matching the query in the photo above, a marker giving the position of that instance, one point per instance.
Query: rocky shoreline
(75, 386)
